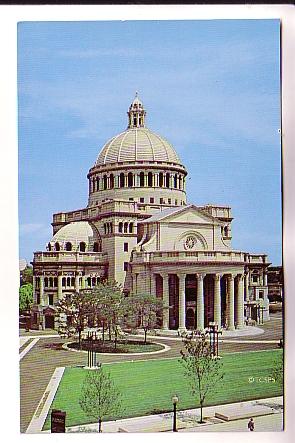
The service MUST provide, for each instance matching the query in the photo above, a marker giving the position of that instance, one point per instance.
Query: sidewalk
(267, 414)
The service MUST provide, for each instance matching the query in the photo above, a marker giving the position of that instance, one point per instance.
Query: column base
(181, 330)
(231, 328)
(240, 327)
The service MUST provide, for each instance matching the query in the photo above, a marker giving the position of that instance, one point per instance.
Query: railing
(198, 256)
(64, 256)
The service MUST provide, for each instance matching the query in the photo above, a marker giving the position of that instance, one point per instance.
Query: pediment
(190, 215)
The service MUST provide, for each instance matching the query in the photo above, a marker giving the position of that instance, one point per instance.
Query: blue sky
(212, 88)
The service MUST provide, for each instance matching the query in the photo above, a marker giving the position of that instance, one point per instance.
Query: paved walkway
(267, 414)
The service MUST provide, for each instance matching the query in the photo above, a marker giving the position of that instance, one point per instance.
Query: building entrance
(49, 321)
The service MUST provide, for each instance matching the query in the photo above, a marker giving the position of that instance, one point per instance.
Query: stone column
(200, 301)
(165, 301)
(217, 300)
(181, 303)
(77, 286)
(231, 299)
(59, 287)
(41, 290)
(156, 179)
(247, 286)
(34, 289)
(83, 281)
(240, 303)
(265, 278)
(153, 285)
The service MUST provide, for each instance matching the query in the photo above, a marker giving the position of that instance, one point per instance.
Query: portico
(192, 300)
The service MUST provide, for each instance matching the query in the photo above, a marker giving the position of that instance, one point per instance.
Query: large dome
(137, 144)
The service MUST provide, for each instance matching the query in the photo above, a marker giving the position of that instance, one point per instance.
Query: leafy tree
(203, 371)
(145, 310)
(26, 297)
(110, 307)
(99, 397)
(26, 276)
(76, 309)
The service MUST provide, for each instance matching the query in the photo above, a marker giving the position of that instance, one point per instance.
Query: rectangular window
(152, 200)
(255, 278)
(169, 201)
(261, 294)
(141, 199)
(161, 201)
(176, 202)
(50, 299)
(131, 199)
(125, 247)
(125, 265)
(38, 299)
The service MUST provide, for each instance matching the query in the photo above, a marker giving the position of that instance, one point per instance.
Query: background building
(139, 230)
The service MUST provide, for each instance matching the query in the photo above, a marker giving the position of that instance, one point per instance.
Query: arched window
(141, 179)
(105, 182)
(88, 282)
(97, 183)
(175, 181)
(125, 227)
(68, 282)
(131, 227)
(225, 231)
(49, 247)
(51, 282)
(111, 228)
(150, 179)
(64, 282)
(72, 281)
(167, 180)
(180, 182)
(46, 282)
(130, 179)
(122, 180)
(120, 227)
(93, 281)
(161, 179)
(97, 247)
(82, 246)
(57, 246)
(112, 181)
(55, 282)
(68, 246)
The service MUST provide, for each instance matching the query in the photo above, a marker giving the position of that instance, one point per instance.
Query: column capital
(218, 276)
(231, 276)
(201, 276)
(181, 276)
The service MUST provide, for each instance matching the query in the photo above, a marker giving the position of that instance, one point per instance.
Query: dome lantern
(136, 114)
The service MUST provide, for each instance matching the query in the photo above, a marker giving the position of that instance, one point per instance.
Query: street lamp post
(174, 401)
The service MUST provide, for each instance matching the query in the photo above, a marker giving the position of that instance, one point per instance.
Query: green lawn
(147, 386)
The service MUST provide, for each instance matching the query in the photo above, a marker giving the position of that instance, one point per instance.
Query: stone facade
(139, 230)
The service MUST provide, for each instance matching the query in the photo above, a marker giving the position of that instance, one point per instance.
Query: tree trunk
(99, 425)
(110, 335)
(201, 405)
(145, 332)
(79, 338)
(103, 332)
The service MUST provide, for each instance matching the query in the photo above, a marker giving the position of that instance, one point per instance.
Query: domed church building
(139, 230)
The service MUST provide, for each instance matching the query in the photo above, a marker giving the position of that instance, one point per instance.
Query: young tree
(110, 307)
(25, 297)
(145, 310)
(99, 397)
(203, 371)
(76, 308)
